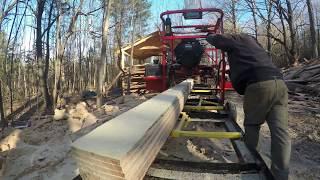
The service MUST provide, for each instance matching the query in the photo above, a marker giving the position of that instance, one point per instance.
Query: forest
(69, 66)
(53, 47)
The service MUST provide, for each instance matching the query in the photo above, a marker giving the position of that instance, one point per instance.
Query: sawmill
(160, 90)
(191, 78)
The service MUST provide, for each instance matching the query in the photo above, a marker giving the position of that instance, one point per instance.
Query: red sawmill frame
(218, 63)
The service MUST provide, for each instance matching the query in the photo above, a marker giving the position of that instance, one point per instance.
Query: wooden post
(122, 59)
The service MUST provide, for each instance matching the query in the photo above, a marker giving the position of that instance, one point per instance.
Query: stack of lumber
(137, 82)
(125, 147)
(305, 77)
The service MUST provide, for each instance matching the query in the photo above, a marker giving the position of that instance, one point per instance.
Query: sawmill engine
(188, 53)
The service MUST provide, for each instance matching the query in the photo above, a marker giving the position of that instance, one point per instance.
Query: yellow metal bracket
(209, 105)
(185, 120)
(203, 134)
(202, 108)
(201, 91)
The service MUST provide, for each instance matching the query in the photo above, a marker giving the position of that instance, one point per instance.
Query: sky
(159, 6)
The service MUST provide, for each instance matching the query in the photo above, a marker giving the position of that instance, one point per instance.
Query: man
(254, 75)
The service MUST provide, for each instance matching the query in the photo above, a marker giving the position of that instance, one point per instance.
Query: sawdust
(199, 149)
(42, 151)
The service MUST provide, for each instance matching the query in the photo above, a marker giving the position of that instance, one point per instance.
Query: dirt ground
(42, 151)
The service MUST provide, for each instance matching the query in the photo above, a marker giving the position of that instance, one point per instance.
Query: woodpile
(304, 78)
(137, 82)
(125, 147)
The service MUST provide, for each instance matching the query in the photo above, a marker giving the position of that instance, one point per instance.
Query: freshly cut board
(125, 147)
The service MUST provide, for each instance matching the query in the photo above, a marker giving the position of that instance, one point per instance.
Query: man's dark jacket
(249, 62)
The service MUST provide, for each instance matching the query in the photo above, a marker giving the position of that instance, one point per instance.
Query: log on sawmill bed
(125, 147)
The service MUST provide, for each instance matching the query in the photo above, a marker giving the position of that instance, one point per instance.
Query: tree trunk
(74, 69)
(48, 98)
(284, 31)
(59, 68)
(80, 61)
(133, 24)
(43, 71)
(101, 63)
(252, 5)
(233, 16)
(9, 76)
(119, 44)
(25, 82)
(269, 8)
(57, 65)
(3, 121)
(254, 15)
(312, 30)
(290, 21)
(318, 37)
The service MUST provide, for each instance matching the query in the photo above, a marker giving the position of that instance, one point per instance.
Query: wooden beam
(125, 147)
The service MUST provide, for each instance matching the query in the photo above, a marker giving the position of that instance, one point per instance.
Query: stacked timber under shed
(125, 147)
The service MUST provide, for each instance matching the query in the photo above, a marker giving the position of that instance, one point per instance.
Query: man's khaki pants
(268, 101)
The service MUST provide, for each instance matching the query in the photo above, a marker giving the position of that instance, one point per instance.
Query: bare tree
(9, 75)
(314, 47)
(3, 121)
(234, 15)
(253, 8)
(133, 25)
(269, 12)
(43, 71)
(119, 19)
(61, 44)
(293, 49)
(101, 63)
(4, 12)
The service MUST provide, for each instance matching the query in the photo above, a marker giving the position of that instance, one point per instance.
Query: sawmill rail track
(250, 165)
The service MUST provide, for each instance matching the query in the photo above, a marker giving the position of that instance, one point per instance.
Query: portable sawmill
(187, 54)
(136, 144)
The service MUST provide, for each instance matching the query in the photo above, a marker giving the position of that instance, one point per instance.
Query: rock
(110, 110)
(11, 141)
(80, 117)
(60, 114)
